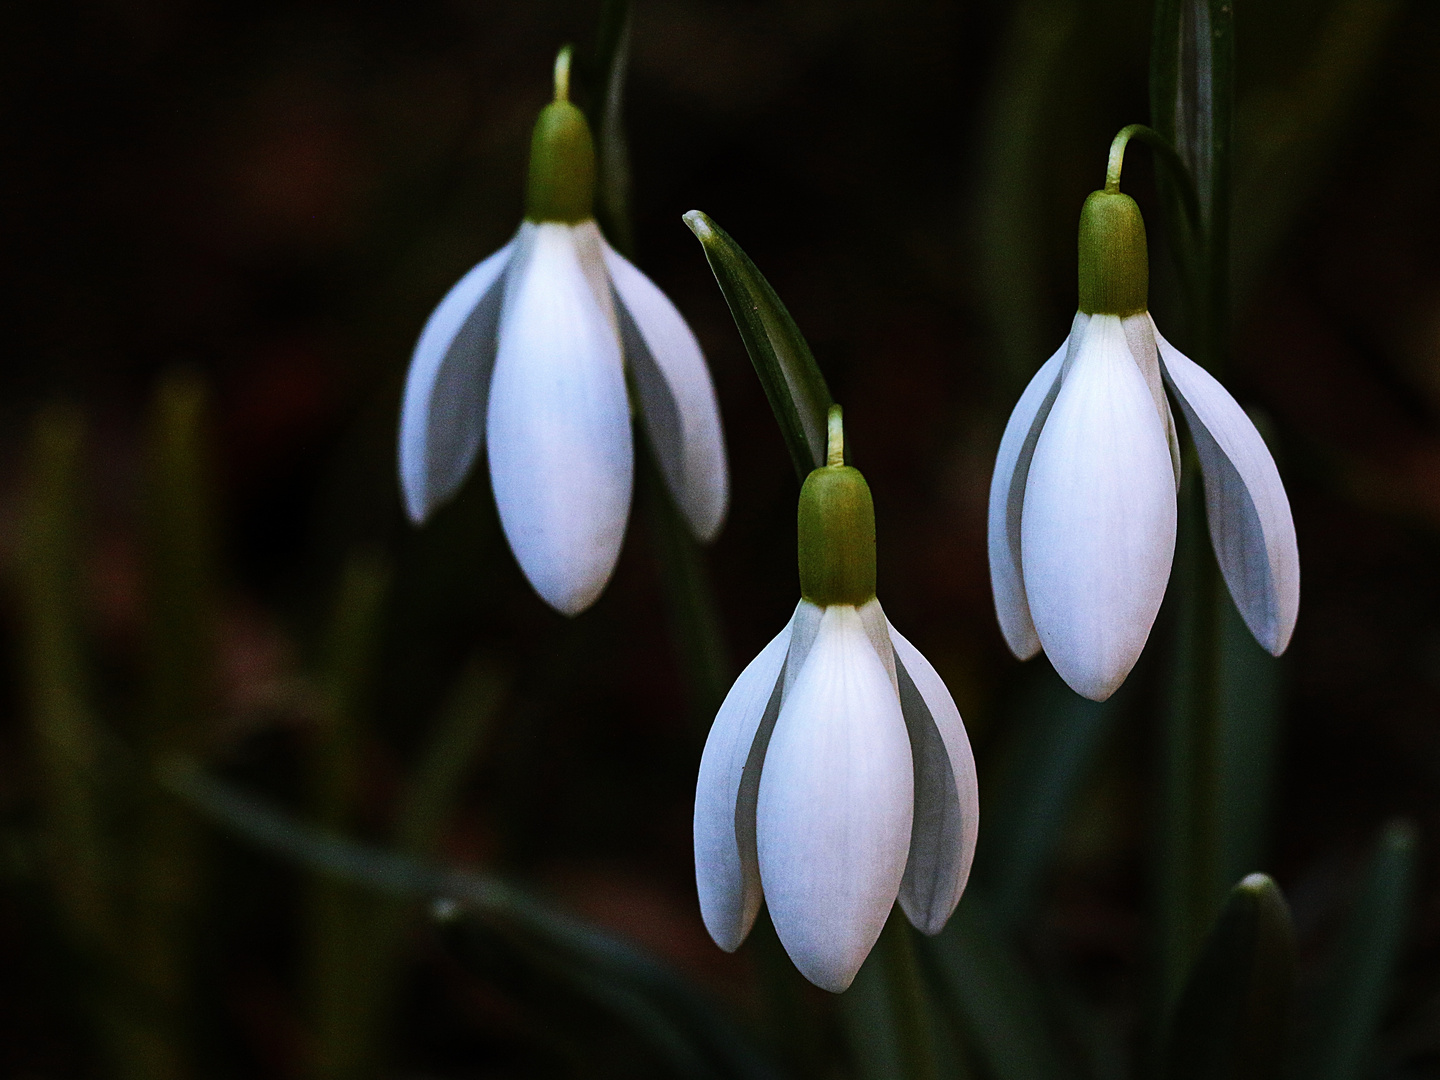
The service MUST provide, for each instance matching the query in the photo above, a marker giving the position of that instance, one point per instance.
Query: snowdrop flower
(1083, 498)
(536, 353)
(837, 775)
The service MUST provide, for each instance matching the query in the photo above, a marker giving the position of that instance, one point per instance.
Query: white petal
(726, 872)
(1140, 337)
(558, 424)
(1007, 496)
(677, 398)
(1098, 525)
(805, 625)
(947, 793)
(836, 797)
(877, 629)
(442, 419)
(1245, 502)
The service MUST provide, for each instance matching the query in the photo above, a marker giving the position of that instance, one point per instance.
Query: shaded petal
(442, 418)
(1007, 496)
(1098, 527)
(947, 793)
(836, 797)
(677, 398)
(727, 874)
(877, 629)
(805, 626)
(558, 425)
(1249, 513)
(1140, 337)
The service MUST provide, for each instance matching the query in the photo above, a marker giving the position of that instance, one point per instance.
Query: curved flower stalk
(837, 776)
(1083, 498)
(537, 352)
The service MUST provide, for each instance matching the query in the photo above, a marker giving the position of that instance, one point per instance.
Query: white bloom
(1082, 503)
(836, 777)
(530, 353)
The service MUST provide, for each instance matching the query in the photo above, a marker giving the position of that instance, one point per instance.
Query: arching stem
(1167, 157)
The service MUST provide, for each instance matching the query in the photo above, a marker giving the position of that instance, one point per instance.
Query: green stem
(1207, 882)
(909, 1002)
(1191, 94)
(1168, 159)
(1193, 843)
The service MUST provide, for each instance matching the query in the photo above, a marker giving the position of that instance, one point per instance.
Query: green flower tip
(562, 158)
(836, 525)
(1114, 261)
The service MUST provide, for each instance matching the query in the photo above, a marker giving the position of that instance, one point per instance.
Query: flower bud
(562, 158)
(1114, 263)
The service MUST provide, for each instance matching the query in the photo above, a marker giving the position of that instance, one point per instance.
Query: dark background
(274, 195)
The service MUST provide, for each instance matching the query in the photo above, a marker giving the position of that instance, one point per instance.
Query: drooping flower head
(837, 776)
(536, 354)
(1083, 499)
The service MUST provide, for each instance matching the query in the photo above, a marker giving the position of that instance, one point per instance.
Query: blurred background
(226, 223)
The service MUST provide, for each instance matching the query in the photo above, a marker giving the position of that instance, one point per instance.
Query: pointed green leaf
(1232, 1019)
(1341, 1033)
(793, 384)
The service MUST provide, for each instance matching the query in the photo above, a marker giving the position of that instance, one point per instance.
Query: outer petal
(1098, 526)
(804, 628)
(442, 418)
(1140, 337)
(836, 798)
(947, 793)
(677, 398)
(1245, 502)
(1007, 496)
(559, 424)
(727, 874)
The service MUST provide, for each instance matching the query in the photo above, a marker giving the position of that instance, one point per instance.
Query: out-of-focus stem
(344, 997)
(909, 1001)
(60, 717)
(179, 705)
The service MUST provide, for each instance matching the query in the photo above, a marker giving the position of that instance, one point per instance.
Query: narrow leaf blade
(1232, 1019)
(1342, 1030)
(996, 1002)
(793, 384)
